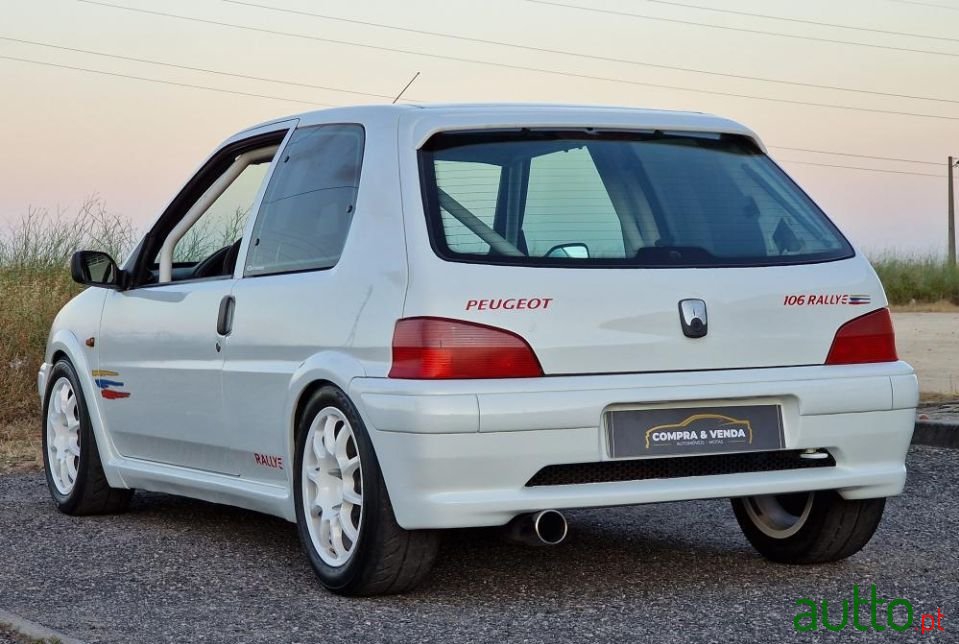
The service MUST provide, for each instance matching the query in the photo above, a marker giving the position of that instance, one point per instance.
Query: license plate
(694, 430)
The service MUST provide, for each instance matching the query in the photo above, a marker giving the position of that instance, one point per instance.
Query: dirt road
(930, 343)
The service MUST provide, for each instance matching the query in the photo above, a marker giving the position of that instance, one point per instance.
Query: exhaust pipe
(544, 528)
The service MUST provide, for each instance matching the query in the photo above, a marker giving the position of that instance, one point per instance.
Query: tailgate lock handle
(692, 315)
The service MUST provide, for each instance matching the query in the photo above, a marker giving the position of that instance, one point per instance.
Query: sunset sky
(70, 133)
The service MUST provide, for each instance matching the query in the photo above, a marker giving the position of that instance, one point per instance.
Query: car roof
(425, 119)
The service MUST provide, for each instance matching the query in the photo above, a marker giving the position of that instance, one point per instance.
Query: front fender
(65, 342)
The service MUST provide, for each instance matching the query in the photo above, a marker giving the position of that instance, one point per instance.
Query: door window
(199, 237)
(222, 225)
(308, 206)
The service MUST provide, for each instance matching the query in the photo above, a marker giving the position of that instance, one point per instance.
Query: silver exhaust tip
(544, 528)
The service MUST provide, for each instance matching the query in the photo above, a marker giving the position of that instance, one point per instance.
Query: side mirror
(574, 251)
(95, 268)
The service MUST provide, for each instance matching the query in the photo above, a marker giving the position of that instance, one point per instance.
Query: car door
(160, 344)
(296, 298)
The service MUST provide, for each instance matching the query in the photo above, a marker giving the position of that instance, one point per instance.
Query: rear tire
(343, 512)
(807, 527)
(71, 457)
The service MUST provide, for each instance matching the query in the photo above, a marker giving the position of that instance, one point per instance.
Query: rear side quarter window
(308, 206)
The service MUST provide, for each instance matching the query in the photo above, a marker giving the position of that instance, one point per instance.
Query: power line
(219, 72)
(853, 167)
(153, 62)
(519, 67)
(189, 68)
(337, 89)
(225, 91)
(926, 4)
(778, 147)
(743, 29)
(607, 59)
(163, 82)
(858, 156)
(802, 21)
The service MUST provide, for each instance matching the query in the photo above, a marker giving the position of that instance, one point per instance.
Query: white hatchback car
(383, 321)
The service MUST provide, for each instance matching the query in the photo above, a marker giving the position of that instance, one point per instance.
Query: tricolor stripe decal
(107, 386)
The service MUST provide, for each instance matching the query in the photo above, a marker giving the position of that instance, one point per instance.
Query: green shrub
(921, 279)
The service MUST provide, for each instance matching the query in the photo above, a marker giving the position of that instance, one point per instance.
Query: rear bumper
(460, 453)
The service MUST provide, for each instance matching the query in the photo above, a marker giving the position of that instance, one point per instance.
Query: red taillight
(436, 348)
(869, 338)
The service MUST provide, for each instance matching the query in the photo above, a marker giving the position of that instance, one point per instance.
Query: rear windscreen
(588, 198)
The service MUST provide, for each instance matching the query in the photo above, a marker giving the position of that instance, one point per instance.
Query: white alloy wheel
(332, 486)
(779, 516)
(63, 436)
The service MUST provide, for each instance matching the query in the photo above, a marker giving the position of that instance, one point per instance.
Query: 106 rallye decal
(825, 299)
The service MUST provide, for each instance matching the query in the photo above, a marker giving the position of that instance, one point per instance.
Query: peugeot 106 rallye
(380, 322)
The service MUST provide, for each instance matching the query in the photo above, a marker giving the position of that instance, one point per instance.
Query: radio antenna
(402, 91)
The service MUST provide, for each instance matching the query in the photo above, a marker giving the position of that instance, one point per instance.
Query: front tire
(71, 457)
(807, 527)
(343, 512)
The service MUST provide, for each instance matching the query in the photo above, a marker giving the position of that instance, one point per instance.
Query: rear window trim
(434, 225)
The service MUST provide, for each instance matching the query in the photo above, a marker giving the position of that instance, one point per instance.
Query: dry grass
(31, 299)
(34, 285)
(20, 446)
(942, 306)
(930, 398)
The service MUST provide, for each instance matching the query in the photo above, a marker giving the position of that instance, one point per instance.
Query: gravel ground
(8, 637)
(929, 342)
(180, 570)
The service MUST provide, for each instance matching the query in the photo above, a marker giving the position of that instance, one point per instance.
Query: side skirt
(275, 500)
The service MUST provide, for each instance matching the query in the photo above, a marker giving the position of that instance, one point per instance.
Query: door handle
(224, 321)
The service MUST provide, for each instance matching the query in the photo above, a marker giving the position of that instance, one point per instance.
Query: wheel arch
(65, 345)
(319, 370)
(304, 398)
(323, 369)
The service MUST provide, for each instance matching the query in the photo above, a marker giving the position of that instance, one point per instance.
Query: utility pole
(951, 260)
